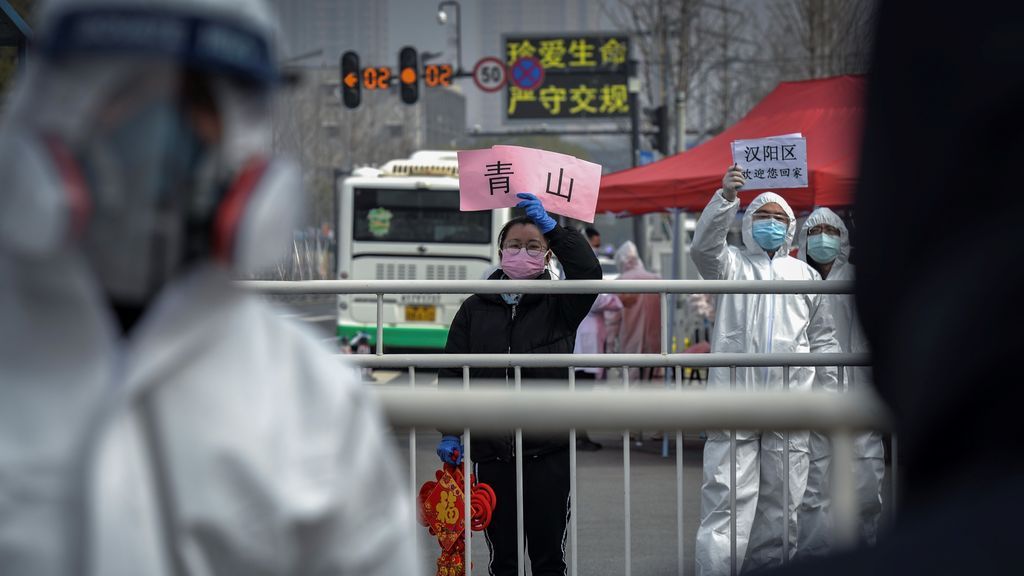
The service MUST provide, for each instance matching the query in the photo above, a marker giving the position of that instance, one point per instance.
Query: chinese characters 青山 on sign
(492, 177)
(583, 77)
(773, 162)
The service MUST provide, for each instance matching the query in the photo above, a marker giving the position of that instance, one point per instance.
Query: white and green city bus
(402, 222)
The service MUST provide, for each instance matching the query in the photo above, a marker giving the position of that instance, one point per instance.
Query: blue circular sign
(527, 73)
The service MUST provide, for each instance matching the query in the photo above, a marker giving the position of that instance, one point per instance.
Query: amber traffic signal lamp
(408, 73)
(350, 80)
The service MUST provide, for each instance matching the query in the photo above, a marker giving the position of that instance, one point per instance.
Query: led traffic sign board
(566, 76)
(437, 75)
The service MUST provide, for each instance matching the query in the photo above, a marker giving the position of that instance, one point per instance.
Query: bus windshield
(396, 215)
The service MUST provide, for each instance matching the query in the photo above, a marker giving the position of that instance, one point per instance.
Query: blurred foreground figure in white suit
(154, 419)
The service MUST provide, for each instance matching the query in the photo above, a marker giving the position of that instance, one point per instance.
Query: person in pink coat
(640, 328)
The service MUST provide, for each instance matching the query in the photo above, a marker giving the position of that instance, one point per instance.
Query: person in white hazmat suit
(824, 243)
(155, 419)
(756, 323)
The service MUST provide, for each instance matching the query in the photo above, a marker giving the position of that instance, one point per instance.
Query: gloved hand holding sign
(535, 210)
(450, 450)
(732, 182)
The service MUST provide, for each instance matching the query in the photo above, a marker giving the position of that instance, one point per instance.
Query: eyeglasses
(761, 216)
(533, 248)
(823, 228)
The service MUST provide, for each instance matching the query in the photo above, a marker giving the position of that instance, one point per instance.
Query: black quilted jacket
(539, 324)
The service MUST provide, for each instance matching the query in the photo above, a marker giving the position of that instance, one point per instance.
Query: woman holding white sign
(524, 324)
(759, 323)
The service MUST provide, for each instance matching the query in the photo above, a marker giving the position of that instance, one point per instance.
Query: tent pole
(678, 216)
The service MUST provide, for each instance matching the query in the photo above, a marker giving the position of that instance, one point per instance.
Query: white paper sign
(773, 162)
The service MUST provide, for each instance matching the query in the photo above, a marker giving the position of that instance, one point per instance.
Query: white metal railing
(674, 409)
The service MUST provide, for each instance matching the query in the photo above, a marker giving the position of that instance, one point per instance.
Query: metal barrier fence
(839, 415)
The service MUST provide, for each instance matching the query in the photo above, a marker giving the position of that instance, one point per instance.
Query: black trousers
(545, 513)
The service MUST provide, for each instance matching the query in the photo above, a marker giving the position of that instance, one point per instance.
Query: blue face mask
(769, 234)
(511, 299)
(823, 248)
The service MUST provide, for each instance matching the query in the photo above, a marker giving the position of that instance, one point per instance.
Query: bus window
(411, 215)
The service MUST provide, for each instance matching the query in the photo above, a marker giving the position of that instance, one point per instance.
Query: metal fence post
(785, 478)
(625, 473)
(380, 324)
(412, 449)
(679, 479)
(520, 517)
(466, 486)
(664, 350)
(733, 561)
(844, 493)
(573, 506)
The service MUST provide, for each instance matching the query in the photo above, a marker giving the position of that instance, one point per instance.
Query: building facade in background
(497, 18)
(312, 126)
(334, 26)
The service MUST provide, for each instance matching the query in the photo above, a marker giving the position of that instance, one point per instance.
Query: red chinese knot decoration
(441, 506)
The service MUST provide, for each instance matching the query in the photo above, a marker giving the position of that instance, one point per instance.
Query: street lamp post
(442, 19)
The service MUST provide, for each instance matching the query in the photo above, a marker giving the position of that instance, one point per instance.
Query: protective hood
(755, 205)
(824, 215)
(628, 258)
(89, 53)
(232, 37)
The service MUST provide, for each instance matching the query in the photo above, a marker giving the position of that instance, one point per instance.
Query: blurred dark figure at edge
(938, 284)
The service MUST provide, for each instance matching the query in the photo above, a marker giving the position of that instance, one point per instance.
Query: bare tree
(312, 126)
(818, 38)
(724, 56)
(664, 34)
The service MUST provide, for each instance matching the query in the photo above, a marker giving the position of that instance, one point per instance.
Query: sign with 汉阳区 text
(491, 178)
(773, 162)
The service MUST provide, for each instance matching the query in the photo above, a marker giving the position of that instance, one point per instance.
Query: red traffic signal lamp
(350, 80)
(409, 74)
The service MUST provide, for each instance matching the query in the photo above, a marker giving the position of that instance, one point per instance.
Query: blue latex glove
(450, 450)
(535, 210)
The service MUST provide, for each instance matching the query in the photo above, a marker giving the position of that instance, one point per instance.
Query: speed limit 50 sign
(490, 74)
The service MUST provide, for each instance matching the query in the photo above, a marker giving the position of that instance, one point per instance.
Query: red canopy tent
(827, 112)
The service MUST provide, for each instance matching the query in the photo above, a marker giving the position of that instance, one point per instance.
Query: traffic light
(350, 80)
(659, 120)
(409, 74)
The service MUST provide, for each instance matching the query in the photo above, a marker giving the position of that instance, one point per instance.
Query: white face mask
(823, 248)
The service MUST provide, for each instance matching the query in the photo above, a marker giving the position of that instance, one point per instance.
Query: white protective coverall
(869, 464)
(755, 323)
(215, 437)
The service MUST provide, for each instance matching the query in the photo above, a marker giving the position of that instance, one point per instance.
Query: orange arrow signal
(351, 80)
